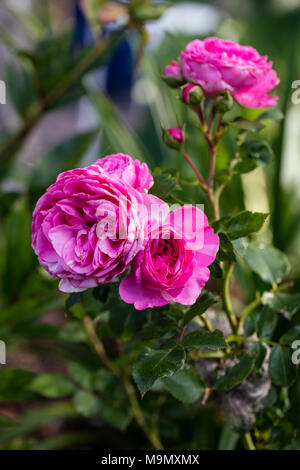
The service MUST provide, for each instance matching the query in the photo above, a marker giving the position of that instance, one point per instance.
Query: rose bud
(173, 137)
(173, 75)
(223, 102)
(192, 94)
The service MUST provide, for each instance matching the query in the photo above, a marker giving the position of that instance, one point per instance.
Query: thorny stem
(150, 433)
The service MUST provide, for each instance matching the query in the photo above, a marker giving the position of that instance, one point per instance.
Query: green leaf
(73, 331)
(245, 165)
(205, 339)
(281, 368)
(285, 304)
(226, 249)
(258, 150)
(246, 125)
(5, 422)
(51, 385)
(259, 350)
(267, 321)
(215, 270)
(87, 404)
(235, 375)
(13, 384)
(155, 364)
(81, 375)
(117, 414)
(241, 225)
(204, 301)
(186, 385)
(267, 261)
(289, 336)
(271, 113)
(164, 185)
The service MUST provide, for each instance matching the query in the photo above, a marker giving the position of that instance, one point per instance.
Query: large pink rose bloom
(173, 264)
(217, 65)
(131, 171)
(87, 227)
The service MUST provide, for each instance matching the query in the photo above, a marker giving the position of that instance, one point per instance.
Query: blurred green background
(70, 98)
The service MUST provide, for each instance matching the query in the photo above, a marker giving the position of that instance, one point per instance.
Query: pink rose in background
(87, 227)
(217, 65)
(131, 171)
(174, 71)
(173, 264)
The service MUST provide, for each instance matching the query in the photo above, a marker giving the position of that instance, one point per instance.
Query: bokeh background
(118, 103)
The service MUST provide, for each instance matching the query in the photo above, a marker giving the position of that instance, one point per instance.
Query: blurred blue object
(120, 67)
(83, 35)
(120, 74)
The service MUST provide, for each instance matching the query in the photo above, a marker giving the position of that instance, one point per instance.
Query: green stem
(150, 433)
(226, 299)
(252, 306)
(248, 441)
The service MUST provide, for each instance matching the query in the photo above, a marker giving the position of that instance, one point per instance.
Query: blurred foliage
(53, 375)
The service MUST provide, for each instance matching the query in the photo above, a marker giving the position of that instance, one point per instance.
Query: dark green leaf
(290, 335)
(154, 364)
(13, 384)
(226, 249)
(235, 375)
(204, 339)
(51, 385)
(186, 385)
(281, 368)
(245, 165)
(259, 150)
(285, 304)
(164, 185)
(267, 261)
(204, 301)
(267, 321)
(241, 225)
(215, 270)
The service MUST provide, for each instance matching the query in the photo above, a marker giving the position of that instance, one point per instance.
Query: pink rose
(131, 171)
(217, 65)
(87, 227)
(173, 263)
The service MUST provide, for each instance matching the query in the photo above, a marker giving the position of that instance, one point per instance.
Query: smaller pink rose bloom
(217, 65)
(174, 71)
(130, 171)
(174, 263)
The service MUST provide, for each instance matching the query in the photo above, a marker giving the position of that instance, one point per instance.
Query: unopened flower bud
(173, 75)
(223, 102)
(174, 137)
(192, 94)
